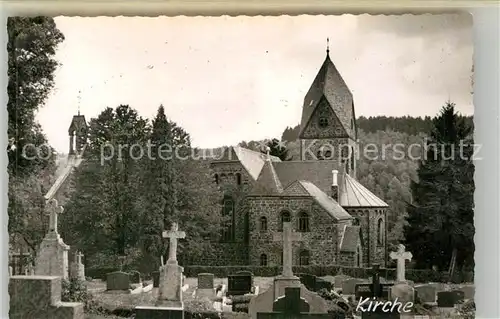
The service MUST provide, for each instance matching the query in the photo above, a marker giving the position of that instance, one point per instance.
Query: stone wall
(321, 241)
(373, 251)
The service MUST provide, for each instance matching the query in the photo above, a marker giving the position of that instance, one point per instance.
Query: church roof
(78, 122)
(252, 161)
(353, 194)
(268, 182)
(325, 201)
(350, 239)
(317, 172)
(329, 84)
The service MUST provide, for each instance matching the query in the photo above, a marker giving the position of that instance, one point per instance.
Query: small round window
(323, 122)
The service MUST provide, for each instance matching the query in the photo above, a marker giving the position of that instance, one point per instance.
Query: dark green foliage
(441, 216)
(276, 148)
(31, 47)
(32, 42)
(75, 290)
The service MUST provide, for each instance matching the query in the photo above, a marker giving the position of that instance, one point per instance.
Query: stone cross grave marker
(173, 234)
(288, 237)
(375, 288)
(401, 256)
(78, 258)
(291, 306)
(55, 210)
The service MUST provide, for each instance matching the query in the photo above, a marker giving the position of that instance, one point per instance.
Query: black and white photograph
(243, 167)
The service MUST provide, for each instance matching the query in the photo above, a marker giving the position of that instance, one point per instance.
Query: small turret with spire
(78, 131)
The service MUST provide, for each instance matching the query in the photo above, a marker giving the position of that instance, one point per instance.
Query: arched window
(228, 215)
(238, 178)
(263, 260)
(352, 159)
(328, 155)
(222, 177)
(303, 222)
(304, 258)
(216, 176)
(355, 222)
(263, 223)
(285, 217)
(380, 232)
(358, 257)
(323, 122)
(319, 155)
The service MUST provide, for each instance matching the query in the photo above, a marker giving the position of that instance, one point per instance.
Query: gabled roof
(77, 123)
(252, 161)
(268, 182)
(325, 201)
(350, 239)
(317, 172)
(353, 194)
(329, 84)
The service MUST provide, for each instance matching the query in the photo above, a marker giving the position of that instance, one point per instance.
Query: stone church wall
(320, 241)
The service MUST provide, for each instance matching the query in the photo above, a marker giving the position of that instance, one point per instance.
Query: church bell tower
(78, 133)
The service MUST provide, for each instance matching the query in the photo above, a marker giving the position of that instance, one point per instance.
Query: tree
(277, 148)
(180, 189)
(440, 223)
(31, 48)
(106, 185)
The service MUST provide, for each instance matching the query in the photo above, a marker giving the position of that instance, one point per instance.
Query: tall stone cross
(79, 256)
(173, 234)
(401, 256)
(288, 237)
(55, 210)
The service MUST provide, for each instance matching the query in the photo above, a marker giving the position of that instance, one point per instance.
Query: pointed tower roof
(77, 123)
(330, 85)
(268, 182)
(353, 194)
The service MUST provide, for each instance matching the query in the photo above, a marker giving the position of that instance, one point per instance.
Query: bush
(75, 290)
(416, 275)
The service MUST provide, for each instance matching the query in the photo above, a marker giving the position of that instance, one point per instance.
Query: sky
(229, 79)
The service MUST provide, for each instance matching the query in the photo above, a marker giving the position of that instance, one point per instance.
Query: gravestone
(263, 303)
(426, 293)
(170, 287)
(380, 314)
(156, 279)
(135, 277)
(469, 291)
(205, 287)
(349, 285)
(40, 297)
(308, 280)
(118, 280)
(291, 306)
(448, 299)
(366, 291)
(240, 283)
(401, 256)
(52, 256)
(403, 292)
(77, 269)
(169, 303)
(339, 279)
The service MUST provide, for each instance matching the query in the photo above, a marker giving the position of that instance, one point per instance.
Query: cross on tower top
(327, 46)
(79, 100)
(287, 237)
(401, 256)
(173, 234)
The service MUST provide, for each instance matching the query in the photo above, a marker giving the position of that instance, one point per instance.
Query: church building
(341, 222)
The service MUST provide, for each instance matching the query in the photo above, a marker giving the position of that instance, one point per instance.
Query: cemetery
(272, 229)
